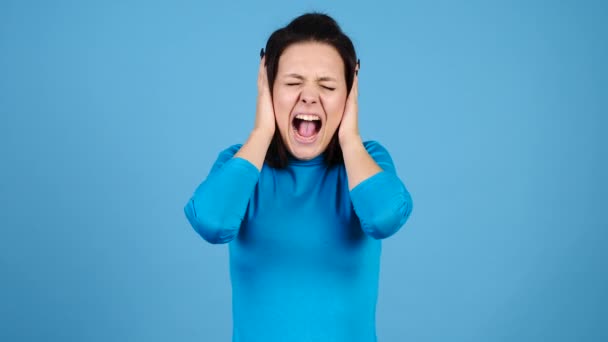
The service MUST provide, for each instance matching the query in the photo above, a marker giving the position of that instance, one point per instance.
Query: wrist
(349, 140)
(262, 134)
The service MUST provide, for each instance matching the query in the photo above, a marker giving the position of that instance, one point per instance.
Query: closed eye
(329, 88)
(292, 84)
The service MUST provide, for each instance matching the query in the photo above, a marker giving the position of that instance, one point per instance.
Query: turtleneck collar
(320, 159)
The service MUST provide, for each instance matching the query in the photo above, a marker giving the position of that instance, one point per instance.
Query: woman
(304, 202)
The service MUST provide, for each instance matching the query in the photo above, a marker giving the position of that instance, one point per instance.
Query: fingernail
(261, 53)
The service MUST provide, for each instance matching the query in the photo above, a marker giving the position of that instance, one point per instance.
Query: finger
(261, 68)
(356, 84)
(354, 90)
(262, 72)
(265, 73)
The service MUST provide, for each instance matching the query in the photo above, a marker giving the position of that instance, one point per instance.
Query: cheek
(335, 108)
(283, 103)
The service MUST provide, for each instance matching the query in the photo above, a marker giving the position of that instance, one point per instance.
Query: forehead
(311, 57)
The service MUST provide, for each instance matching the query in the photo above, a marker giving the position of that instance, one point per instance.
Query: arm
(379, 198)
(218, 205)
(359, 164)
(256, 147)
(381, 201)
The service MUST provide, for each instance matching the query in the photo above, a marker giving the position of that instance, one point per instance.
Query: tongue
(307, 129)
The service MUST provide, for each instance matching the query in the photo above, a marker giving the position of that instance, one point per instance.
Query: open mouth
(306, 127)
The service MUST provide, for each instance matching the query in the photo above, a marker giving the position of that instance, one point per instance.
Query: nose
(308, 97)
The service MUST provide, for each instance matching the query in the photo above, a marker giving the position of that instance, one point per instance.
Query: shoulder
(374, 146)
(380, 154)
(230, 151)
(225, 155)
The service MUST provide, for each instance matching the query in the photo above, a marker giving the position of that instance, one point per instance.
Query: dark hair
(309, 27)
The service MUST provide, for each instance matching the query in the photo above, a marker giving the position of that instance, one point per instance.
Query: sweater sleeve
(218, 205)
(382, 202)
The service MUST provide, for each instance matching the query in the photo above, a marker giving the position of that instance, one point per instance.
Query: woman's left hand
(349, 129)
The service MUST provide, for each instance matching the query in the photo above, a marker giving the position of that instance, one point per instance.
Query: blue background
(113, 112)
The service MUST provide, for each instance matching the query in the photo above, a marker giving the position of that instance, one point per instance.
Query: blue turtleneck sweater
(304, 250)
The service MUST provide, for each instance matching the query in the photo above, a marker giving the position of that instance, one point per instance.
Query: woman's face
(309, 95)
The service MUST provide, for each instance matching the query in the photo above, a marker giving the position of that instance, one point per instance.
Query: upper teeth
(307, 117)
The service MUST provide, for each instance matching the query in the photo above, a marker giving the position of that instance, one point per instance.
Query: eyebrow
(320, 79)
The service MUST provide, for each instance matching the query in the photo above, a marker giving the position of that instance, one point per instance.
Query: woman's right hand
(255, 148)
(264, 115)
